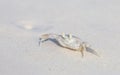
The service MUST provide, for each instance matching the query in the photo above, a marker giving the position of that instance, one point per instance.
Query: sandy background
(94, 21)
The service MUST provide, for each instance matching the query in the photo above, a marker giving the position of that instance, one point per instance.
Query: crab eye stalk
(63, 35)
(70, 36)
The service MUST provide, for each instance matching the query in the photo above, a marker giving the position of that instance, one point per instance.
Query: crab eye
(64, 36)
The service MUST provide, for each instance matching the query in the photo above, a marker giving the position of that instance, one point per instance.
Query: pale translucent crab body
(67, 41)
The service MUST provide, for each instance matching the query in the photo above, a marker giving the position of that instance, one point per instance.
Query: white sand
(94, 21)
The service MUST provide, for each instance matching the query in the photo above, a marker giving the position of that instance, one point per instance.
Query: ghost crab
(68, 41)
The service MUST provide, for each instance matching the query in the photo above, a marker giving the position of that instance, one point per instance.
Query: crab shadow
(92, 51)
(55, 41)
(52, 40)
(88, 49)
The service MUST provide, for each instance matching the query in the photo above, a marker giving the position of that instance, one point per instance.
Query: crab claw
(43, 38)
(39, 41)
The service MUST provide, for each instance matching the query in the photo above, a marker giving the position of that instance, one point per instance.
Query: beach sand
(94, 21)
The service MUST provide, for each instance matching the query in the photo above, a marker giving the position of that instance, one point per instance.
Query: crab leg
(81, 49)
